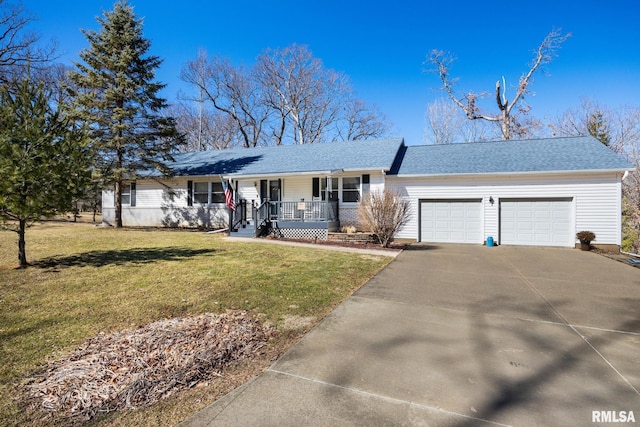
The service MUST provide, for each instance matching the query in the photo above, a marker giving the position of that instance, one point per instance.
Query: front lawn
(87, 279)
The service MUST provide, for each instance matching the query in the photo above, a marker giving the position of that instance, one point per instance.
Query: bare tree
(287, 97)
(447, 124)
(302, 90)
(232, 91)
(204, 128)
(56, 77)
(508, 109)
(19, 47)
(361, 121)
(619, 129)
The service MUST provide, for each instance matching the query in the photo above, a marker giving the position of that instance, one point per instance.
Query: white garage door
(451, 221)
(536, 222)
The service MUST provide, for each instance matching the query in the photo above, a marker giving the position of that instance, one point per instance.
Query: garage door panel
(545, 216)
(451, 221)
(543, 222)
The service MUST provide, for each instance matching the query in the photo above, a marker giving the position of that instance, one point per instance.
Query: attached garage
(536, 222)
(538, 192)
(451, 221)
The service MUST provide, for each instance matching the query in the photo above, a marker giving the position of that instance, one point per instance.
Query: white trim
(270, 175)
(619, 212)
(500, 174)
(383, 170)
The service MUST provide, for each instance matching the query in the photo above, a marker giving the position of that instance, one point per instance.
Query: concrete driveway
(461, 335)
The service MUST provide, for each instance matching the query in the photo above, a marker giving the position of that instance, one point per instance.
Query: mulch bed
(136, 368)
(394, 246)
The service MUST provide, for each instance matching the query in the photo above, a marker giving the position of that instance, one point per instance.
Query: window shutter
(366, 179)
(316, 187)
(189, 193)
(133, 194)
(264, 192)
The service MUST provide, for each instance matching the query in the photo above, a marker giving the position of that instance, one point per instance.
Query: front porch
(290, 219)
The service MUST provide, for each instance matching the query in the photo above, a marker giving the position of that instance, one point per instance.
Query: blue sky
(382, 46)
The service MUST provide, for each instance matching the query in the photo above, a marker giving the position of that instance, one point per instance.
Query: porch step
(244, 232)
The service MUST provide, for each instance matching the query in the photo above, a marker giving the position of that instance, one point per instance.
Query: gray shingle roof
(351, 155)
(534, 155)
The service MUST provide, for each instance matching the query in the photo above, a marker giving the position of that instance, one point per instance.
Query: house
(527, 192)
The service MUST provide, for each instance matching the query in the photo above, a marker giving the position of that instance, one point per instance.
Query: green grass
(87, 279)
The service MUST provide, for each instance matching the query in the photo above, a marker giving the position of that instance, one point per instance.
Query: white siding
(297, 188)
(377, 182)
(107, 199)
(164, 204)
(151, 194)
(249, 190)
(108, 208)
(596, 198)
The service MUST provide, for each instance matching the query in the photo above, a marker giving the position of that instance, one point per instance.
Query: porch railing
(314, 211)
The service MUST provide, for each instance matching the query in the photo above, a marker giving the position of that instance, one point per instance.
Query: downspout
(624, 176)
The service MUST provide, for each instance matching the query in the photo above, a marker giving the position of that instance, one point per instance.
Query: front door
(274, 196)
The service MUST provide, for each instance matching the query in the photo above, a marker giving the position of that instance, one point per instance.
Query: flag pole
(228, 198)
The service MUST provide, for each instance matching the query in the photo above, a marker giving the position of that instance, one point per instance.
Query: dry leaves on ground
(136, 368)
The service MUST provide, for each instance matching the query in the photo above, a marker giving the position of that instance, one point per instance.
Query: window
(201, 192)
(128, 195)
(125, 197)
(351, 189)
(206, 192)
(217, 193)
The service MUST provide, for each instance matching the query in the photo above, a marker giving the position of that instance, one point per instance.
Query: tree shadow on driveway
(481, 368)
(101, 258)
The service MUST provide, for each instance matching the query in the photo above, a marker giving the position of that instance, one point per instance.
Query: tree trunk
(118, 194)
(22, 249)
(505, 125)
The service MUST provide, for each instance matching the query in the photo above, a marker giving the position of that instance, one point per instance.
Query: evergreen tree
(43, 159)
(117, 96)
(597, 127)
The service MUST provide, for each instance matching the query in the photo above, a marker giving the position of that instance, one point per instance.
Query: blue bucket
(489, 241)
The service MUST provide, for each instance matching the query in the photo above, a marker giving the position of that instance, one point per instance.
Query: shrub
(585, 237)
(383, 213)
(349, 229)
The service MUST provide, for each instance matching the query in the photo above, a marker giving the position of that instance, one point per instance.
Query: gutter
(276, 174)
(305, 173)
(555, 172)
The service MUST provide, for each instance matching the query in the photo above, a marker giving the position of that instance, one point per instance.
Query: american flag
(228, 197)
